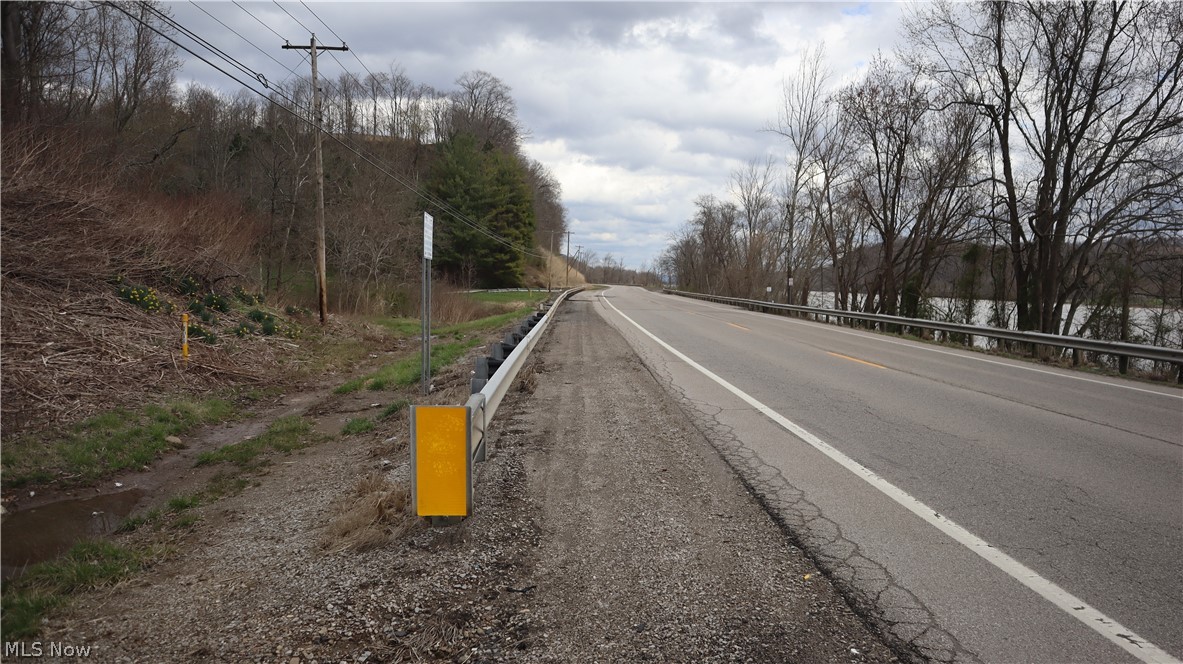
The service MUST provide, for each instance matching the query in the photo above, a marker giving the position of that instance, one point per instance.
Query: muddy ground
(607, 528)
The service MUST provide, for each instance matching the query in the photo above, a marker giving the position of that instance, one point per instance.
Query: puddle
(38, 533)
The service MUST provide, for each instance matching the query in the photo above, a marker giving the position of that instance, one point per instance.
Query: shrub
(215, 301)
(142, 297)
(247, 298)
(189, 285)
(199, 332)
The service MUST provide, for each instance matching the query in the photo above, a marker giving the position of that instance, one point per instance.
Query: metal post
(425, 311)
(425, 305)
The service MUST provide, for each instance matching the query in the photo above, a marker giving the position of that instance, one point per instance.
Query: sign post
(425, 307)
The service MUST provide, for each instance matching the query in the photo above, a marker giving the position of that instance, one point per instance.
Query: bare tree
(1083, 100)
(753, 188)
(483, 107)
(802, 122)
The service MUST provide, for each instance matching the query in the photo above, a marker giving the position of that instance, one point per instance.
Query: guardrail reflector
(441, 461)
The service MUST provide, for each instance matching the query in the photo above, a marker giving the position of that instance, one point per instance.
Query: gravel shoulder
(607, 528)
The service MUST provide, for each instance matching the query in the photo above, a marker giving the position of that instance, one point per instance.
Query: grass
(406, 371)
(525, 303)
(285, 434)
(394, 409)
(359, 425)
(401, 327)
(183, 502)
(486, 324)
(107, 443)
(134, 523)
(525, 297)
(86, 566)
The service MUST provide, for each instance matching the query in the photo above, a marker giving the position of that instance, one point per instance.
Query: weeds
(86, 566)
(132, 524)
(182, 503)
(394, 409)
(407, 370)
(286, 434)
(107, 443)
(370, 516)
(356, 426)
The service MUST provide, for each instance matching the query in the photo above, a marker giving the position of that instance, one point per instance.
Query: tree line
(1024, 153)
(100, 80)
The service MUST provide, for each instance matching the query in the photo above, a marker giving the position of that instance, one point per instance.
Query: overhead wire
(334, 33)
(258, 19)
(262, 23)
(306, 28)
(257, 47)
(369, 159)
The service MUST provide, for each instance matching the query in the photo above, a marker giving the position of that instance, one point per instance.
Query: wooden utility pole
(567, 281)
(321, 280)
(550, 272)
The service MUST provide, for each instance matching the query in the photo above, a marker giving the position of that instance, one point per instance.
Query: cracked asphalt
(1078, 477)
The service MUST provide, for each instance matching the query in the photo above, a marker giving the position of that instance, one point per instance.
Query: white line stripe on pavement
(1067, 602)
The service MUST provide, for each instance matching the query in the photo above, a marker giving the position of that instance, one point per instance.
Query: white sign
(428, 229)
(790, 281)
(768, 289)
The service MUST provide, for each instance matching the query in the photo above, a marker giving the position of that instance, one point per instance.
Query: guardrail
(1117, 348)
(495, 372)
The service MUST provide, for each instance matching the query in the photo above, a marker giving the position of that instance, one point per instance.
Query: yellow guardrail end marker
(441, 460)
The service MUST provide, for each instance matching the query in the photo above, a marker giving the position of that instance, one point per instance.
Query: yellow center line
(740, 327)
(855, 359)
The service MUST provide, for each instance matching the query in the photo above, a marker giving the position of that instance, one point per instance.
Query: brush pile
(71, 240)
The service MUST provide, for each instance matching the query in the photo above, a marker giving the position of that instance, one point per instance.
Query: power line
(293, 17)
(425, 196)
(170, 21)
(334, 32)
(326, 25)
(257, 19)
(257, 48)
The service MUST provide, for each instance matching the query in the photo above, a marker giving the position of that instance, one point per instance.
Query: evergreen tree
(490, 188)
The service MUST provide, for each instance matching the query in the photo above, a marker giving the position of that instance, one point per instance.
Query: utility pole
(321, 280)
(789, 258)
(578, 251)
(567, 281)
(549, 274)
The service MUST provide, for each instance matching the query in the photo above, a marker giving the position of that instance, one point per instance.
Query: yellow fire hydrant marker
(441, 461)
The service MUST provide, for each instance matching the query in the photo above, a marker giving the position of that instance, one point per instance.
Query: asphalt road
(983, 509)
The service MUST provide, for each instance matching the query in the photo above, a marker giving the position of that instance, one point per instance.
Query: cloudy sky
(638, 108)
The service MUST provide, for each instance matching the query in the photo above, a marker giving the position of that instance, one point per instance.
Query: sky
(637, 108)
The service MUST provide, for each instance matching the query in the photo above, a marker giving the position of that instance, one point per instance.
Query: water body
(29, 536)
(1141, 319)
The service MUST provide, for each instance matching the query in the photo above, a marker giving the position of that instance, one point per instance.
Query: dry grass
(437, 641)
(376, 512)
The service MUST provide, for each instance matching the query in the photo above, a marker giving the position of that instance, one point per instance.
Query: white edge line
(965, 355)
(1066, 601)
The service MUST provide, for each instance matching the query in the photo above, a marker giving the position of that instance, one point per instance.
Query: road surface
(983, 509)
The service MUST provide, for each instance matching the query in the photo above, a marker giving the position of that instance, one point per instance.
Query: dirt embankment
(607, 529)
